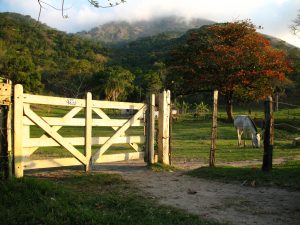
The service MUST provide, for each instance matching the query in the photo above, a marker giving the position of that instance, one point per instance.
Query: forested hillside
(46, 60)
(49, 61)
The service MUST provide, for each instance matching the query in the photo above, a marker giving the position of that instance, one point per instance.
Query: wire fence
(287, 116)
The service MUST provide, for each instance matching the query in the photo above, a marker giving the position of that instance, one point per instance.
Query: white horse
(244, 124)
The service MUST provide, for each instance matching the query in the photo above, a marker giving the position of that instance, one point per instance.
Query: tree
(18, 66)
(118, 83)
(230, 57)
(295, 27)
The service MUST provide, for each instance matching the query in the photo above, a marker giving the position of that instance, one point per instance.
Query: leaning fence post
(163, 127)
(88, 130)
(214, 130)
(18, 129)
(268, 135)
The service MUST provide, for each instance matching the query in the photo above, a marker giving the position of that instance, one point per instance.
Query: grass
(191, 141)
(190, 137)
(159, 167)
(285, 175)
(83, 199)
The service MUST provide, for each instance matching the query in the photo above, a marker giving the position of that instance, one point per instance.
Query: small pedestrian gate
(25, 145)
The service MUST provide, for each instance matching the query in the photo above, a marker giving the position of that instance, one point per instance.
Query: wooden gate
(25, 117)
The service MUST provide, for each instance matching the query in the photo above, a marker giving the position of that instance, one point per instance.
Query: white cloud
(274, 15)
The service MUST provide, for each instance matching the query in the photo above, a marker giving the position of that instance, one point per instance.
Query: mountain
(122, 31)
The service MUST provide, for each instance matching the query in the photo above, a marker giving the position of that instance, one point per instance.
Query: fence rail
(25, 117)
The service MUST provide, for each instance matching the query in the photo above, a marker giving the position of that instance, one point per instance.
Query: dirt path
(231, 203)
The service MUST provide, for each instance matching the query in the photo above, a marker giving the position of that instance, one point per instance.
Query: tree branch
(63, 9)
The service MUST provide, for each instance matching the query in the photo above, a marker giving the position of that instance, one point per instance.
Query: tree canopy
(230, 57)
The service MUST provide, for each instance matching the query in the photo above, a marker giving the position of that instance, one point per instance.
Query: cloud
(274, 15)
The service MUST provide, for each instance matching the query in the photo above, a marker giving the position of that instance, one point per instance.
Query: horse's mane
(253, 123)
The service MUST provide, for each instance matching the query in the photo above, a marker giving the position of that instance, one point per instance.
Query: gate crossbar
(24, 117)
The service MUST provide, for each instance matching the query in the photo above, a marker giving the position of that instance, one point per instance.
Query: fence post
(170, 133)
(18, 129)
(214, 130)
(5, 126)
(163, 127)
(88, 130)
(151, 128)
(268, 135)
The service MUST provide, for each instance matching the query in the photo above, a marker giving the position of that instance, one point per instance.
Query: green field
(191, 137)
(191, 141)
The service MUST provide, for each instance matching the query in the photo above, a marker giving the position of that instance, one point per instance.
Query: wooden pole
(3, 144)
(18, 131)
(214, 130)
(88, 131)
(170, 133)
(9, 141)
(163, 127)
(5, 128)
(268, 135)
(277, 99)
(151, 129)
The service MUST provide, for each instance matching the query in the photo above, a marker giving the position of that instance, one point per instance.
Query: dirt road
(233, 203)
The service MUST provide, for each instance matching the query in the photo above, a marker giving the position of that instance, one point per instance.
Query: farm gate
(94, 116)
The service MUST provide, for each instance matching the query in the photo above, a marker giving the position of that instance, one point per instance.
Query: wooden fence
(25, 144)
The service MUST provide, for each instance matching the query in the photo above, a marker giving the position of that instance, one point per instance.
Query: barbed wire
(284, 103)
(286, 124)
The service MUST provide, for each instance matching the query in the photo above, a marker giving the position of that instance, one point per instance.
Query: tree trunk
(229, 110)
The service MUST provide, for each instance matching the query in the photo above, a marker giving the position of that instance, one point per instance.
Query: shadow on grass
(87, 199)
(284, 175)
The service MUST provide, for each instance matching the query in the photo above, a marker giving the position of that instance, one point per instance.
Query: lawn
(80, 198)
(191, 138)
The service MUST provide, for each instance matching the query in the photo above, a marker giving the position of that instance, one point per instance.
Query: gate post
(163, 127)
(151, 129)
(88, 131)
(18, 130)
(5, 126)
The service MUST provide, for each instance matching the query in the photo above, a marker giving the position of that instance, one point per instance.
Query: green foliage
(201, 108)
(40, 57)
(117, 83)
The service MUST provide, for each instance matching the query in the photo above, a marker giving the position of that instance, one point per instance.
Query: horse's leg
(239, 136)
(252, 137)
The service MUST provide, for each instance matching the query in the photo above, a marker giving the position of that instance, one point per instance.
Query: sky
(275, 16)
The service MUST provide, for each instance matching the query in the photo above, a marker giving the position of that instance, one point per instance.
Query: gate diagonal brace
(73, 112)
(119, 132)
(53, 134)
(102, 115)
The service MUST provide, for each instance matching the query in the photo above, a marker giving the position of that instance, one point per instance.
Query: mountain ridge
(123, 31)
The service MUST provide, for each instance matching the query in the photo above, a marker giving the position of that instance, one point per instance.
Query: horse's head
(256, 140)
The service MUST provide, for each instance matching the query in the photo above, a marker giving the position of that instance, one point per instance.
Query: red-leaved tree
(230, 57)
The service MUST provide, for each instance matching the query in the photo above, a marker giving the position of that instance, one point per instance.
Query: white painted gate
(25, 145)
